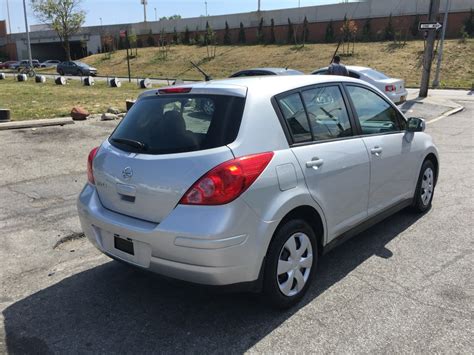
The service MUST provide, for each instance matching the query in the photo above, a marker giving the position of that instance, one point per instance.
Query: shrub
(367, 30)
(272, 32)
(242, 38)
(227, 39)
(187, 36)
(469, 24)
(305, 35)
(291, 32)
(329, 36)
(260, 34)
(389, 32)
(414, 26)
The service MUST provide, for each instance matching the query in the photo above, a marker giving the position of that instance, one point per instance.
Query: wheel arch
(434, 159)
(310, 215)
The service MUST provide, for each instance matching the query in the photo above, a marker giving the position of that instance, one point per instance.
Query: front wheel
(425, 187)
(290, 264)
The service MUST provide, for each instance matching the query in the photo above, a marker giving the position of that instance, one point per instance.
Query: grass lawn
(28, 100)
(396, 61)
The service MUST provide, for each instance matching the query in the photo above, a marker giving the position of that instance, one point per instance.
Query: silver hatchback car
(252, 192)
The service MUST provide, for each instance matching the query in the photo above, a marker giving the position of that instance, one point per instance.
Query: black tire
(61, 72)
(80, 73)
(271, 288)
(422, 202)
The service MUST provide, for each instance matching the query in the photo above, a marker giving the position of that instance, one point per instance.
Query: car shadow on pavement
(114, 308)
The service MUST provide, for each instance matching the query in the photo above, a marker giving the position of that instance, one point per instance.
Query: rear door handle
(376, 150)
(315, 163)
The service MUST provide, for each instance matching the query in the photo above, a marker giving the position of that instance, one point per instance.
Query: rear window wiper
(131, 142)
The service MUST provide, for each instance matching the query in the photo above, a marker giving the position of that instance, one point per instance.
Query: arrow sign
(423, 26)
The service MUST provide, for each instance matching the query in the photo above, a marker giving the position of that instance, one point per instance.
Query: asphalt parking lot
(405, 285)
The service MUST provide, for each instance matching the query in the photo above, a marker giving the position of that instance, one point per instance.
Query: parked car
(393, 88)
(265, 71)
(25, 63)
(282, 171)
(75, 68)
(52, 63)
(8, 64)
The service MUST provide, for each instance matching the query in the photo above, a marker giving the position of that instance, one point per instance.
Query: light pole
(156, 17)
(258, 9)
(9, 23)
(27, 35)
(100, 18)
(205, 3)
(144, 3)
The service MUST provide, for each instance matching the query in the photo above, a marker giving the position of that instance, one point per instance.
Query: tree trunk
(67, 48)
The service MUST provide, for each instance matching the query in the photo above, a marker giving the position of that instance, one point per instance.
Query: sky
(127, 11)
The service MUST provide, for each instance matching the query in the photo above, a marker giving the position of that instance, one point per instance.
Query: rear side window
(327, 113)
(179, 123)
(293, 111)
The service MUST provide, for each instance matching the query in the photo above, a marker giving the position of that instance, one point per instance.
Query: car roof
(265, 85)
(273, 70)
(356, 68)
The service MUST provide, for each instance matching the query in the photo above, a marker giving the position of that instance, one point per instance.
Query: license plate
(123, 245)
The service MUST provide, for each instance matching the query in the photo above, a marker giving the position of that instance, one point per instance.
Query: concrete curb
(446, 114)
(36, 123)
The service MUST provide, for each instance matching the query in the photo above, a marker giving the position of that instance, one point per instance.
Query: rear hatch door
(161, 148)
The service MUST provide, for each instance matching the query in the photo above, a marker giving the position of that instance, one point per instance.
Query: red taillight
(227, 181)
(176, 90)
(90, 169)
(390, 88)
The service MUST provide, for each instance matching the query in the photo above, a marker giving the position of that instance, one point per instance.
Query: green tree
(175, 36)
(414, 26)
(64, 17)
(150, 41)
(227, 38)
(469, 23)
(305, 35)
(272, 32)
(242, 38)
(172, 17)
(329, 36)
(367, 30)
(187, 36)
(260, 33)
(196, 35)
(291, 32)
(389, 31)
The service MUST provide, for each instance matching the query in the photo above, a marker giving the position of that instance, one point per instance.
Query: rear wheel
(290, 263)
(61, 72)
(425, 187)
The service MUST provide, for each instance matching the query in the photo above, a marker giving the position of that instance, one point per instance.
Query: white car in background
(52, 63)
(392, 87)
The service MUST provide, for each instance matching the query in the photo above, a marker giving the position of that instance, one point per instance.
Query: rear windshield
(374, 74)
(179, 123)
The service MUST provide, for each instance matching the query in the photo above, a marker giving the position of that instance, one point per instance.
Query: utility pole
(9, 23)
(258, 9)
(27, 35)
(428, 55)
(440, 54)
(144, 2)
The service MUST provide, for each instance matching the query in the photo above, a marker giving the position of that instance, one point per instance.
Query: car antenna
(206, 76)
(335, 52)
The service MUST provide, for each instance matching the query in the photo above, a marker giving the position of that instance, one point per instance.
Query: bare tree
(64, 16)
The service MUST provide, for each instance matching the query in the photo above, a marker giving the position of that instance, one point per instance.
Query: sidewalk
(439, 103)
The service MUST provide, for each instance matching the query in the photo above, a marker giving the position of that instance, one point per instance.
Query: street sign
(422, 26)
(123, 34)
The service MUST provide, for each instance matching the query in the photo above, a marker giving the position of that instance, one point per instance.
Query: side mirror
(416, 124)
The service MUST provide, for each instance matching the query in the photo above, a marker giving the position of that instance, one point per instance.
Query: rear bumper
(212, 245)
(398, 98)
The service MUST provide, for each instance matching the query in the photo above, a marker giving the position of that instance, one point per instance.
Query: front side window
(293, 111)
(327, 113)
(375, 115)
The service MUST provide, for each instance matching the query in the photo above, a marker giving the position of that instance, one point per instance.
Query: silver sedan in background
(392, 87)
